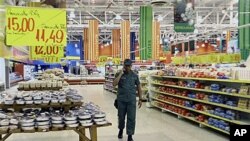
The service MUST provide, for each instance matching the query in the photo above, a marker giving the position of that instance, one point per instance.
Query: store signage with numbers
(50, 54)
(42, 29)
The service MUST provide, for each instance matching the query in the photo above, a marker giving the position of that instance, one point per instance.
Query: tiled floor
(152, 124)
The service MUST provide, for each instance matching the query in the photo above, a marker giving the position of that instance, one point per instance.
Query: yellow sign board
(208, 59)
(49, 54)
(116, 61)
(35, 27)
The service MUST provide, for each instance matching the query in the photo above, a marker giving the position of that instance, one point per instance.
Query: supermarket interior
(80, 70)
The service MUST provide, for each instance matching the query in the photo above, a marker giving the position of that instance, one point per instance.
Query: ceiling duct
(159, 2)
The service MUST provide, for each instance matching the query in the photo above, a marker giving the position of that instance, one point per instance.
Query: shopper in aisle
(128, 83)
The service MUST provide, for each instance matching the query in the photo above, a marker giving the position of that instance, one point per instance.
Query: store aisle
(152, 124)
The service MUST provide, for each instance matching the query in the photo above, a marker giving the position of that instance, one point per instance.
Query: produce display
(30, 119)
(40, 97)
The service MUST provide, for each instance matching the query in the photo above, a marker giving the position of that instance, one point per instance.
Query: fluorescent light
(118, 17)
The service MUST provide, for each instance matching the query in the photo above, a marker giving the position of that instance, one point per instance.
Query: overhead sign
(49, 54)
(208, 59)
(35, 27)
(184, 16)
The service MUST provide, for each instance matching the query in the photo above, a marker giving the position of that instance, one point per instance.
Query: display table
(79, 130)
(66, 105)
(77, 80)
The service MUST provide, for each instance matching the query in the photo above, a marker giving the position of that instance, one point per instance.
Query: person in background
(128, 83)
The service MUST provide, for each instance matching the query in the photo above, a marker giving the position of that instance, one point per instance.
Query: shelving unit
(143, 76)
(179, 96)
(192, 119)
(110, 71)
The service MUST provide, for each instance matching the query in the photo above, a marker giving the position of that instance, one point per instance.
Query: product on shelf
(243, 103)
(219, 124)
(214, 103)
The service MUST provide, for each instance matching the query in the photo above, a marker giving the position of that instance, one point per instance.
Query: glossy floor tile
(152, 124)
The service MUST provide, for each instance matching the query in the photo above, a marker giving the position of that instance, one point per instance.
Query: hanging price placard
(50, 54)
(116, 61)
(35, 27)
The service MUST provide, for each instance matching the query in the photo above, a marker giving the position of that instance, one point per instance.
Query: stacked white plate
(100, 118)
(43, 121)
(57, 120)
(85, 120)
(70, 120)
(27, 123)
(4, 125)
(13, 124)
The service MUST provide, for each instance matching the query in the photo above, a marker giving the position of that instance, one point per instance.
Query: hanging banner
(125, 40)
(49, 54)
(93, 44)
(116, 43)
(132, 45)
(244, 33)
(208, 59)
(156, 40)
(35, 27)
(146, 21)
(184, 16)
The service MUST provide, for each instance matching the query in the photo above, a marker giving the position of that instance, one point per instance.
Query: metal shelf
(189, 118)
(206, 79)
(204, 113)
(204, 90)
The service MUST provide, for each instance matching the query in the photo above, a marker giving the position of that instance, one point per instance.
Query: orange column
(156, 41)
(125, 40)
(116, 43)
(93, 35)
(86, 43)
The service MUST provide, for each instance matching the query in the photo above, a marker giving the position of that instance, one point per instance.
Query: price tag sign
(116, 61)
(103, 59)
(35, 27)
(49, 54)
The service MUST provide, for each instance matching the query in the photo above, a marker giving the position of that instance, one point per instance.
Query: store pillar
(132, 45)
(244, 33)
(146, 21)
(125, 40)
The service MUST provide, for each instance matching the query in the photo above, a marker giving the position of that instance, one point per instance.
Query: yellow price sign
(116, 61)
(103, 59)
(35, 27)
(50, 54)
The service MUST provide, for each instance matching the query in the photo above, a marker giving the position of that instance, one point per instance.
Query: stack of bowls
(85, 119)
(100, 118)
(27, 123)
(13, 124)
(70, 120)
(57, 120)
(4, 124)
(43, 121)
